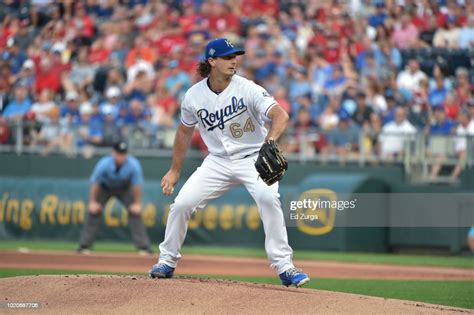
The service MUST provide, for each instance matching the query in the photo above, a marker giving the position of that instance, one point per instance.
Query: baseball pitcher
(228, 111)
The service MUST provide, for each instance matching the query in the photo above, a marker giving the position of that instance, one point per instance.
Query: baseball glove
(271, 164)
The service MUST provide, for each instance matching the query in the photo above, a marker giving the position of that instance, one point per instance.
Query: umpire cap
(120, 147)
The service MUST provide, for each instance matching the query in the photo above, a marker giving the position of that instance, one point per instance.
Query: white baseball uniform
(231, 125)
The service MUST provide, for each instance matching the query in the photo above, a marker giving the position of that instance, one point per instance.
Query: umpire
(116, 175)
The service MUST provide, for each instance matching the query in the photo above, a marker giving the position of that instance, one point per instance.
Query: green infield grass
(445, 292)
(451, 293)
(383, 258)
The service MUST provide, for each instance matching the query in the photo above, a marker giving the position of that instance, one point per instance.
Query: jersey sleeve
(137, 175)
(98, 173)
(261, 100)
(188, 118)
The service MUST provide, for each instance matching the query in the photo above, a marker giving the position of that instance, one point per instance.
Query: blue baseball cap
(221, 47)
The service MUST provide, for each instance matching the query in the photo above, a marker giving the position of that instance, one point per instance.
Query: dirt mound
(225, 266)
(139, 295)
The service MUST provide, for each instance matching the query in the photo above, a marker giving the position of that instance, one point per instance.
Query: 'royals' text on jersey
(230, 123)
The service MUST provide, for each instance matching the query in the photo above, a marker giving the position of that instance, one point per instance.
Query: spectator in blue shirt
(441, 70)
(336, 83)
(299, 85)
(439, 139)
(437, 95)
(89, 131)
(117, 175)
(264, 66)
(120, 120)
(113, 102)
(20, 105)
(102, 10)
(27, 77)
(135, 114)
(466, 34)
(389, 56)
(280, 65)
(344, 140)
(389, 114)
(321, 71)
(349, 100)
(149, 127)
(70, 109)
(177, 82)
(379, 16)
(442, 125)
(14, 55)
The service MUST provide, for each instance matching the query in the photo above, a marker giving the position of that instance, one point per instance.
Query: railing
(419, 152)
(24, 139)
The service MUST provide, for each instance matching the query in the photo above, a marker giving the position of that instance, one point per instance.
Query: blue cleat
(294, 276)
(161, 270)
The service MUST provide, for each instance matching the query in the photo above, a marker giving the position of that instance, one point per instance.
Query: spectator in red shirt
(259, 7)
(319, 37)
(305, 130)
(336, 23)
(282, 100)
(451, 106)
(48, 76)
(6, 81)
(169, 41)
(164, 107)
(332, 51)
(98, 52)
(223, 20)
(189, 17)
(82, 22)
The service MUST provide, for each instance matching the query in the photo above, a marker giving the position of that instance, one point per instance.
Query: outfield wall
(41, 201)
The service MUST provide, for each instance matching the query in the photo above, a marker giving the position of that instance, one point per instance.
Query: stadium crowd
(84, 72)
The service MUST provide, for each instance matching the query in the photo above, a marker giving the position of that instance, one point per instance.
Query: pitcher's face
(226, 65)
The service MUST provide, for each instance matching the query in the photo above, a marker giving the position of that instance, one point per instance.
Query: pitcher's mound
(140, 295)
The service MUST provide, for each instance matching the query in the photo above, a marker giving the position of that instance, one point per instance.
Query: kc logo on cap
(221, 47)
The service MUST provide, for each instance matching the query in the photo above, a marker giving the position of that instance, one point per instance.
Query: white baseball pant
(213, 178)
